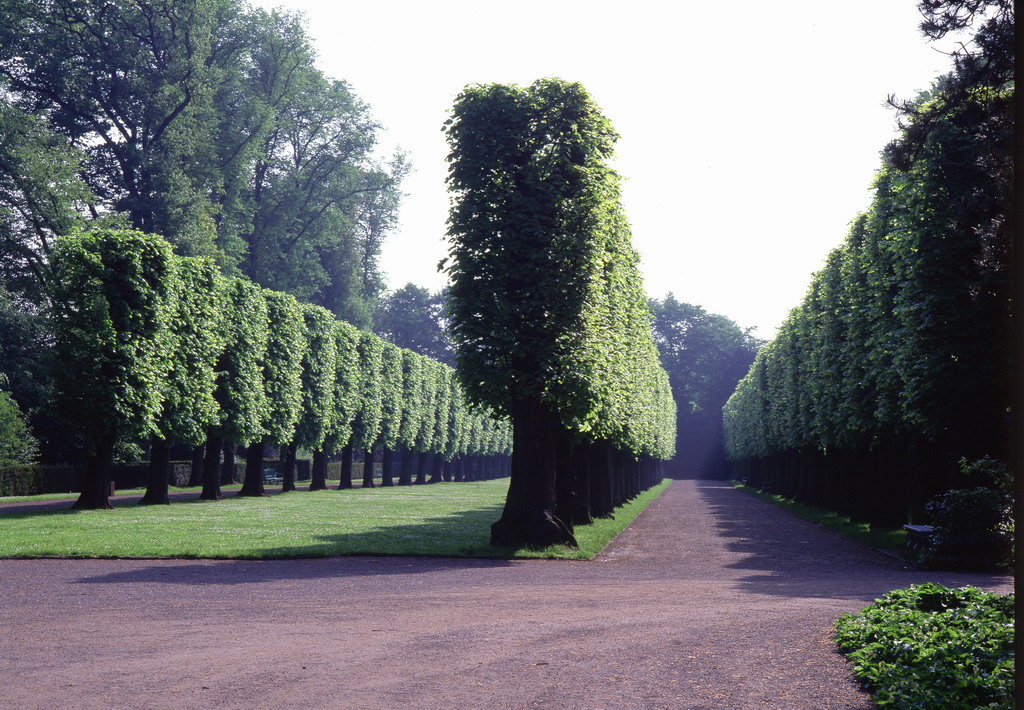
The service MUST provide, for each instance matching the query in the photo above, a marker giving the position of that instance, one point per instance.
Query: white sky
(750, 131)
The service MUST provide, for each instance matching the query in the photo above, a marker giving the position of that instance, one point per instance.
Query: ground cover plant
(930, 647)
(872, 535)
(447, 520)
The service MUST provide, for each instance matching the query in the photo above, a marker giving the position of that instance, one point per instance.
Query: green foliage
(972, 527)
(934, 648)
(195, 339)
(17, 445)
(240, 390)
(546, 302)
(366, 428)
(282, 368)
(905, 330)
(111, 302)
(319, 363)
(411, 317)
(392, 389)
(28, 480)
(348, 385)
(413, 373)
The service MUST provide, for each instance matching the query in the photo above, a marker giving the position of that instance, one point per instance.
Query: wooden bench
(918, 536)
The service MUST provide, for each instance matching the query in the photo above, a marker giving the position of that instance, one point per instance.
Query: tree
(411, 317)
(17, 445)
(194, 340)
(110, 310)
(129, 85)
(544, 289)
(282, 381)
(241, 391)
(705, 355)
(318, 387)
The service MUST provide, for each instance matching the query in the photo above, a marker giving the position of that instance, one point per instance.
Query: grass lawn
(881, 538)
(447, 519)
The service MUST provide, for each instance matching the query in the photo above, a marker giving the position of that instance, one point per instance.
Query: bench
(272, 476)
(918, 536)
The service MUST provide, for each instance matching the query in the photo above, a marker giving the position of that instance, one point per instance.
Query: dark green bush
(36, 480)
(933, 648)
(973, 528)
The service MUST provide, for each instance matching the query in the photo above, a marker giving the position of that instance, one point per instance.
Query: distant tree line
(547, 308)
(705, 356)
(149, 344)
(898, 363)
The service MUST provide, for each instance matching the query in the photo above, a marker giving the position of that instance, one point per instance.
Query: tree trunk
(345, 480)
(422, 464)
(405, 476)
(435, 468)
(95, 494)
(369, 463)
(252, 486)
(529, 517)
(288, 467)
(319, 472)
(227, 468)
(212, 469)
(386, 463)
(195, 476)
(159, 462)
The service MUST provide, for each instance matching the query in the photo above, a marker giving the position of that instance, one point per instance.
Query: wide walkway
(712, 599)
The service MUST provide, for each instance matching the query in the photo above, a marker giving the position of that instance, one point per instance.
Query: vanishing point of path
(711, 599)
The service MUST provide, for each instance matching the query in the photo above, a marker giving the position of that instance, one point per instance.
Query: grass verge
(447, 520)
(880, 538)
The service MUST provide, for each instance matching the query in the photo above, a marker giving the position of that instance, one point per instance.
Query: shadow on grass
(792, 557)
(425, 546)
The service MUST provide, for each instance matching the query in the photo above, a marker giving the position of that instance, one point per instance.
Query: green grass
(449, 520)
(881, 538)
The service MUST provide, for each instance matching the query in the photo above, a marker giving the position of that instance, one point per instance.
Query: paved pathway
(711, 599)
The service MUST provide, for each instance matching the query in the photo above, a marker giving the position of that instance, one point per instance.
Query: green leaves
(934, 648)
(546, 301)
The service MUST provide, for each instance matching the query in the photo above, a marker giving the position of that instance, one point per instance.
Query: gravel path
(711, 599)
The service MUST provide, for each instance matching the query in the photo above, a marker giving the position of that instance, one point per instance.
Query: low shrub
(973, 527)
(929, 647)
(37, 480)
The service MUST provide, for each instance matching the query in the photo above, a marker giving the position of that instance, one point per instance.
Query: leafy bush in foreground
(928, 646)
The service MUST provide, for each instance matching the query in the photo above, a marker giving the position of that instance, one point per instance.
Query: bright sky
(750, 131)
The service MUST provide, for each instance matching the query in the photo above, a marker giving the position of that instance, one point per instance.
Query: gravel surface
(711, 599)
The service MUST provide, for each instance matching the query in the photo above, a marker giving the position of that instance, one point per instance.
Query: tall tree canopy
(204, 121)
(897, 363)
(546, 303)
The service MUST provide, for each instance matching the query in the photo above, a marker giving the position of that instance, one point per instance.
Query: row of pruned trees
(547, 306)
(898, 362)
(153, 344)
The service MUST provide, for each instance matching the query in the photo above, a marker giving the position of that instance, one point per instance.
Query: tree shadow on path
(793, 557)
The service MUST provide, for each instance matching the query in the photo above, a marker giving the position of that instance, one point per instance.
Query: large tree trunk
(345, 480)
(422, 464)
(253, 484)
(405, 476)
(195, 476)
(288, 467)
(95, 494)
(573, 464)
(227, 467)
(387, 459)
(211, 469)
(157, 488)
(529, 517)
(319, 472)
(369, 463)
(435, 468)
